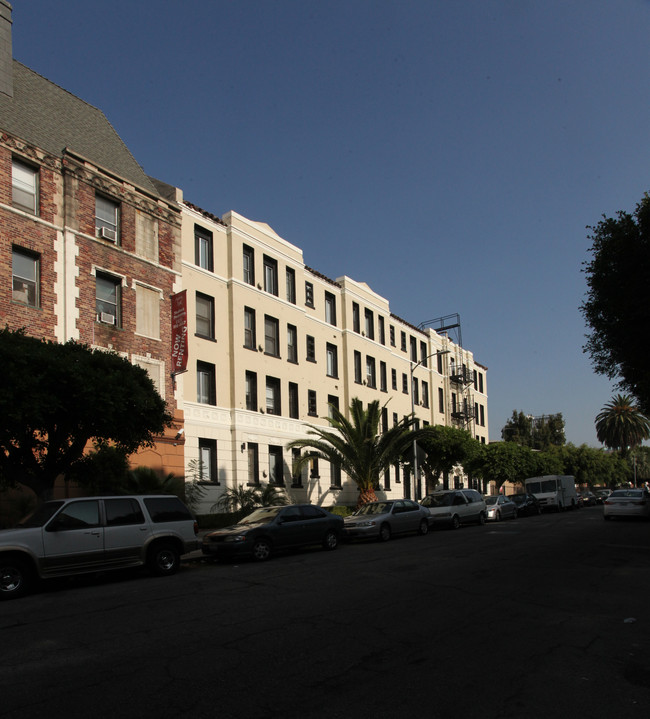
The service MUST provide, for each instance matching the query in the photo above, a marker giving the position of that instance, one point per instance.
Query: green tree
(358, 446)
(501, 462)
(620, 425)
(519, 429)
(57, 398)
(535, 432)
(244, 499)
(444, 448)
(615, 308)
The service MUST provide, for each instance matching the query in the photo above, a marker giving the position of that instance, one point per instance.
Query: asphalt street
(537, 617)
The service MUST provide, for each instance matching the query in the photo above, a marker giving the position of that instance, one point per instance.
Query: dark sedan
(270, 528)
(527, 504)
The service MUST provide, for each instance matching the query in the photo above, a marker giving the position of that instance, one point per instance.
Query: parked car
(627, 503)
(381, 520)
(90, 534)
(601, 495)
(453, 507)
(527, 504)
(500, 507)
(588, 499)
(268, 529)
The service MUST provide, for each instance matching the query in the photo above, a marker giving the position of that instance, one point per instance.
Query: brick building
(89, 247)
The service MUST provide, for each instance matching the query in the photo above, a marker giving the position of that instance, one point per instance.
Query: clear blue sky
(473, 139)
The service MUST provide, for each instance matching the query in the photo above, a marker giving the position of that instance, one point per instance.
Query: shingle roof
(52, 118)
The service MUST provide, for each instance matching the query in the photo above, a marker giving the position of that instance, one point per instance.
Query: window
(122, 512)
(384, 419)
(311, 349)
(393, 378)
(357, 367)
(330, 308)
(251, 391)
(203, 248)
(204, 316)
(309, 294)
(205, 383)
(423, 354)
(107, 214)
(441, 400)
(273, 405)
(291, 285)
(25, 277)
(335, 475)
(147, 311)
(292, 343)
(249, 265)
(371, 378)
(382, 330)
(482, 410)
(416, 391)
(414, 350)
(311, 403)
(405, 383)
(293, 400)
(403, 341)
(332, 402)
(249, 328)
(356, 318)
(392, 335)
(146, 236)
(425, 394)
(108, 299)
(370, 324)
(270, 275)
(332, 361)
(253, 464)
(382, 377)
(439, 363)
(271, 336)
(276, 465)
(208, 460)
(480, 382)
(296, 476)
(24, 186)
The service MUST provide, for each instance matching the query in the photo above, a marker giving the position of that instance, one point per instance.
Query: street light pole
(415, 445)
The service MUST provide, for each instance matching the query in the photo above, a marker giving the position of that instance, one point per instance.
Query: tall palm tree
(357, 446)
(620, 425)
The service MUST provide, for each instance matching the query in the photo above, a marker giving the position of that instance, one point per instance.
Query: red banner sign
(179, 332)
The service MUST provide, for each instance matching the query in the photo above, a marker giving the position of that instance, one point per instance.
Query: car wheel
(482, 518)
(424, 527)
(497, 516)
(261, 550)
(384, 533)
(15, 578)
(331, 540)
(455, 522)
(163, 559)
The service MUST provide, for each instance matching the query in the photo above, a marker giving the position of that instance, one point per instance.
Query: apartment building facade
(273, 344)
(89, 248)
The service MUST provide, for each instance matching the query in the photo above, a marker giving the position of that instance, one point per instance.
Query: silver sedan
(627, 503)
(500, 507)
(381, 520)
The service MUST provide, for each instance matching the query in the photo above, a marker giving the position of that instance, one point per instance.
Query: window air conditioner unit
(106, 233)
(106, 318)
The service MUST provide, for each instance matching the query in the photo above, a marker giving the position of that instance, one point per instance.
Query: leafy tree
(57, 398)
(535, 432)
(592, 467)
(444, 448)
(104, 470)
(620, 425)
(615, 307)
(358, 446)
(244, 499)
(503, 462)
(194, 491)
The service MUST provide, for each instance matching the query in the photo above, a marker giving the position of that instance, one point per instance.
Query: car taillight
(607, 501)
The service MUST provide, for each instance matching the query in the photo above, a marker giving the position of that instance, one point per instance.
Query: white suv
(89, 534)
(455, 507)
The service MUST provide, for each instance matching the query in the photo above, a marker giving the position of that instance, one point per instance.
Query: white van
(553, 491)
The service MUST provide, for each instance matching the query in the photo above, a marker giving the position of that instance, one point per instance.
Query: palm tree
(620, 425)
(357, 446)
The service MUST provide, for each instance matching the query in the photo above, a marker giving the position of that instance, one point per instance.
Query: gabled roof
(51, 118)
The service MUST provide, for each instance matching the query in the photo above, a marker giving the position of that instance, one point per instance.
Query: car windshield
(491, 500)
(548, 485)
(637, 493)
(259, 516)
(437, 500)
(40, 515)
(375, 508)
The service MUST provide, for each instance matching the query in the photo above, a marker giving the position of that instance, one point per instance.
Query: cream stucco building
(272, 343)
